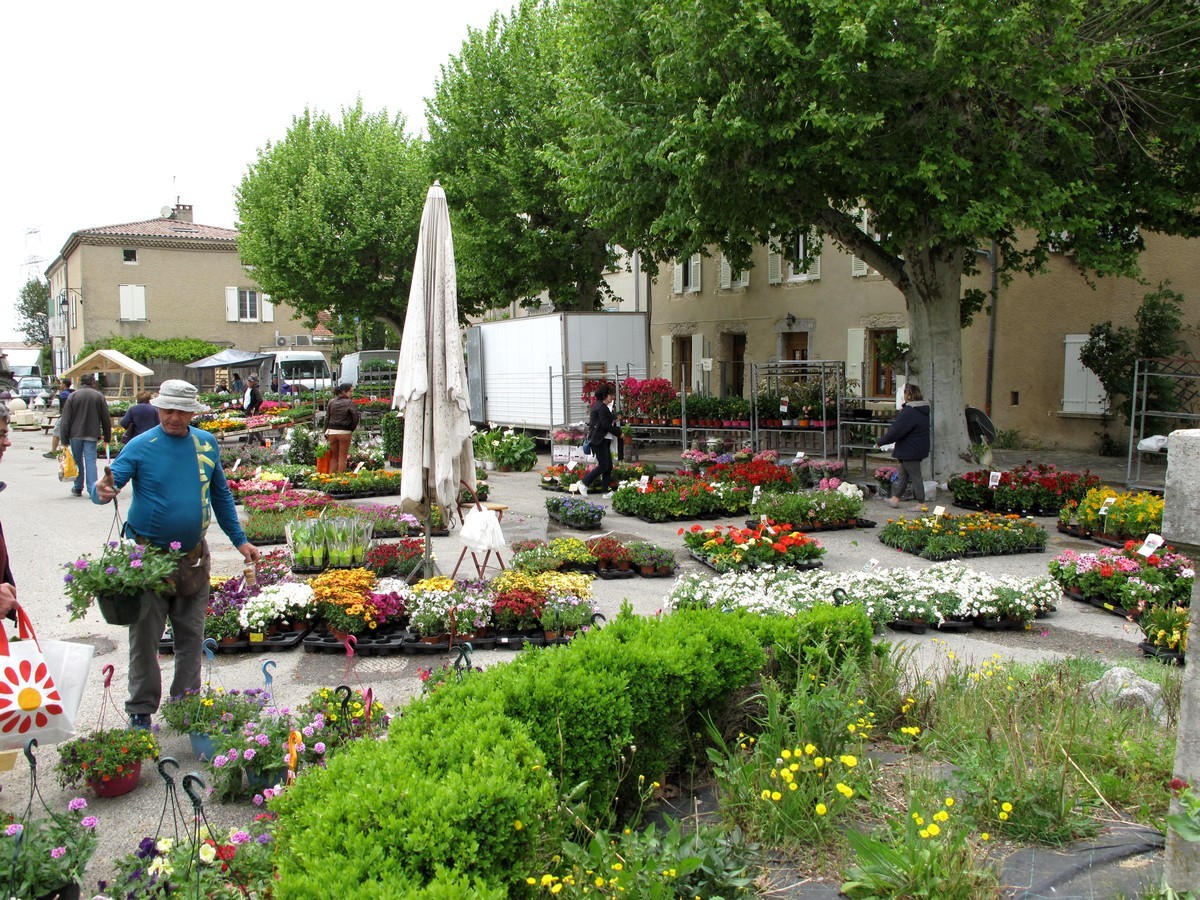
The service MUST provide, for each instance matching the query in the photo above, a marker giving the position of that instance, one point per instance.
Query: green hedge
(822, 636)
(464, 765)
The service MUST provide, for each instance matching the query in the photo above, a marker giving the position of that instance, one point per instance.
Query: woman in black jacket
(601, 427)
(341, 418)
(910, 434)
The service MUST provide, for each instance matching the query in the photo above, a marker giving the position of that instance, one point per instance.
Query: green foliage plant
(144, 349)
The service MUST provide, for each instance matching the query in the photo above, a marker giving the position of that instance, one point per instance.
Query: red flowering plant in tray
(736, 549)
(282, 501)
(517, 609)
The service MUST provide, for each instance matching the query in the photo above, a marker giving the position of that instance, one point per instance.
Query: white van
(305, 370)
(371, 368)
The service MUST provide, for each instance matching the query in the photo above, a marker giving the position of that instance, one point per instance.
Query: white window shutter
(856, 342)
(126, 295)
(902, 335)
(139, 302)
(231, 304)
(774, 267)
(268, 308)
(745, 278)
(665, 371)
(726, 276)
(677, 279)
(858, 267)
(1082, 391)
(697, 356)
(814, 268)
(694, 263)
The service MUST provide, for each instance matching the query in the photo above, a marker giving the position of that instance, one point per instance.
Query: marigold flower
(822, 809)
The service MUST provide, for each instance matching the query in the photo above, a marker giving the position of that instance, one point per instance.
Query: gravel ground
(45, 527)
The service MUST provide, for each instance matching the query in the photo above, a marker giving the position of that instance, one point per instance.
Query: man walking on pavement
(85, 420)
(178, 484)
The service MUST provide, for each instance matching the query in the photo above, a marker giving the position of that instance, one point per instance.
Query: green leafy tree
(33, 312)
(494, 125)
(910, 132)
(1111, 352)
(328, 217)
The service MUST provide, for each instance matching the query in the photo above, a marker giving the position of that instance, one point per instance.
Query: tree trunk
(932, 293)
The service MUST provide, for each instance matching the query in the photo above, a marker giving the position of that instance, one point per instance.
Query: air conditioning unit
(57, 327)
(303, 340)
(281, 341)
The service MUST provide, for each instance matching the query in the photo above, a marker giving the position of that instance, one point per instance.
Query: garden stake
(18, 841)
(268, 679)
(462, 662)
(172, 798)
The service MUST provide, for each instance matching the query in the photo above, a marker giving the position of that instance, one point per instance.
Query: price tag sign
(783, 405)
(871, 566)
(644, 481)
(258, 471)
(1153, 542)
(765, 525)
(799, 456)
(1108, 501)
(234, 467)
(374, 397)
(939, 511)
(756, 493)
(358, 468)
(572, 464)
(994, 480)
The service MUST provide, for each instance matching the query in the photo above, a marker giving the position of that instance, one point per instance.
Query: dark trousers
(603, 467)
(910, 470)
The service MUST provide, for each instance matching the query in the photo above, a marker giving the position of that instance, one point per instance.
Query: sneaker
(607, 495)
(50, 454)
(76, 493)
(893, 502)
(582, 488)
(140, 721)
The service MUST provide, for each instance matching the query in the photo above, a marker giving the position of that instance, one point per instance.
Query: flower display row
(942, 592)
(512, 602)
(646, 398)
(672, 498)
(340, 542)
(1041, 489)
(727, 549)
(833, 504)
(364, 483)
(1113, 516)
(561, 477)
(1125, 580)
(604, 554)
(977, 534)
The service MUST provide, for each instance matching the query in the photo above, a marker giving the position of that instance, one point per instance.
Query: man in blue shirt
(178, 484)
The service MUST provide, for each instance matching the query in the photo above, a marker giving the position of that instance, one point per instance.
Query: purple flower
(68, 578)
(249, 754)
(175, 545)
(233, 754)
(89, 822)
(146, 848)
(81, 564)
(258, 799)
(220, 761)
(262, 739)
(264, 839)
(77, 804)
(58, 852)
(135, 563)
(114, 544)
(319, 746)
(239, 837)
(111, 570)
(307, 731)
(14, 829)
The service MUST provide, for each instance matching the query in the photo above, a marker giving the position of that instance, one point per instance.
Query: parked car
(30, 387)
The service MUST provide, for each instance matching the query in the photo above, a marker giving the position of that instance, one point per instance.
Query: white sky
(115, 110)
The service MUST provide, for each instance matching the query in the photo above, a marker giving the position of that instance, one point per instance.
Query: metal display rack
(782, 377)
(1175, 381)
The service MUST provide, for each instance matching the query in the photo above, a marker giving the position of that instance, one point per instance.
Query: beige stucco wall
(185, 296)
(1035, 313)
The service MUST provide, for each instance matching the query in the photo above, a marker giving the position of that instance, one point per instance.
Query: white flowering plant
(292, 600)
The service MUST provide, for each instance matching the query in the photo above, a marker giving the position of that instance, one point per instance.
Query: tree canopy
(494, 125)
(329, 216)
(910, 132)
(33, 311)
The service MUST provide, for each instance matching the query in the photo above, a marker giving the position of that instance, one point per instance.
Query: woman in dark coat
(601, 427)
(910, 434)
(140, 417)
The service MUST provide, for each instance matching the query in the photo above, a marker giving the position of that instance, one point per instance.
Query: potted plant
(109, 761)
(345, 715)
(340, 597)
(122, 580)
(210, 715)
(265, 749)
(1165, 629)
(429, 614)
(45, 857)
(224, 626)
(574, 553)
(644, 556)
(563, 614)
(604, 550)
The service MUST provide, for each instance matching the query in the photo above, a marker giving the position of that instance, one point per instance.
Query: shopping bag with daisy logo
(41, 684)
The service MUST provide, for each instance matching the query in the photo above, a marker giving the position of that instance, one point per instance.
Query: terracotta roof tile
(164, 228)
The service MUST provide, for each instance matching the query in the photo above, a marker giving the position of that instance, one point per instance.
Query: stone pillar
(1181, 528)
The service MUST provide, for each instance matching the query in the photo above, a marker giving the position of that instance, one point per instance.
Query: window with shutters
(882, 377)
(859, 267)
(686, 276)
(132, 302)
(248, 305)
(730, 279)
(681, 371)
(1082, 390)
(801, 248)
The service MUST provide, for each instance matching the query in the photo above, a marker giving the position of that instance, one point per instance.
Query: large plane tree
(911, 132)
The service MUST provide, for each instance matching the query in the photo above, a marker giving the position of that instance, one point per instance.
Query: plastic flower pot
(124, 609)
(118, 785)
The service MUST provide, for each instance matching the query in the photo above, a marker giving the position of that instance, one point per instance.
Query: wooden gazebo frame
(132, 374)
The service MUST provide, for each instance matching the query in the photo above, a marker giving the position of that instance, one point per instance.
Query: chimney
(182, 212)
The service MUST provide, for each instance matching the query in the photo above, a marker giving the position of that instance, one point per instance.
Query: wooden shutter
(726, 275)
(697, 356)
(774, 266)
(813, 242)
(231, 304)
(268, 308)
(126, 295)
(694, 263)
(139, 302)
(665, 371)
(132, 302)
(856, 341)
(677, 279)
(1082, 391)
(745, 278)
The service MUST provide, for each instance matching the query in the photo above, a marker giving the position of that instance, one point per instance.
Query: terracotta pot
(323, 464)
(646, 570)
(121, 784)
(624, 566)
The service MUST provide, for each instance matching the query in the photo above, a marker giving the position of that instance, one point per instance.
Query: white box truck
(305, 370)
(529, 372)
(372, 369)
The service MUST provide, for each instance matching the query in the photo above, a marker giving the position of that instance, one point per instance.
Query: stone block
(1181, 510)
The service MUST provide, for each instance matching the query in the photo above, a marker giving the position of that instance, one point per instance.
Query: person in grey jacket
(85, 421)
(910, 434)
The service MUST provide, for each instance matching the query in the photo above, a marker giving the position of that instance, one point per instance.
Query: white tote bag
(41, 684)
